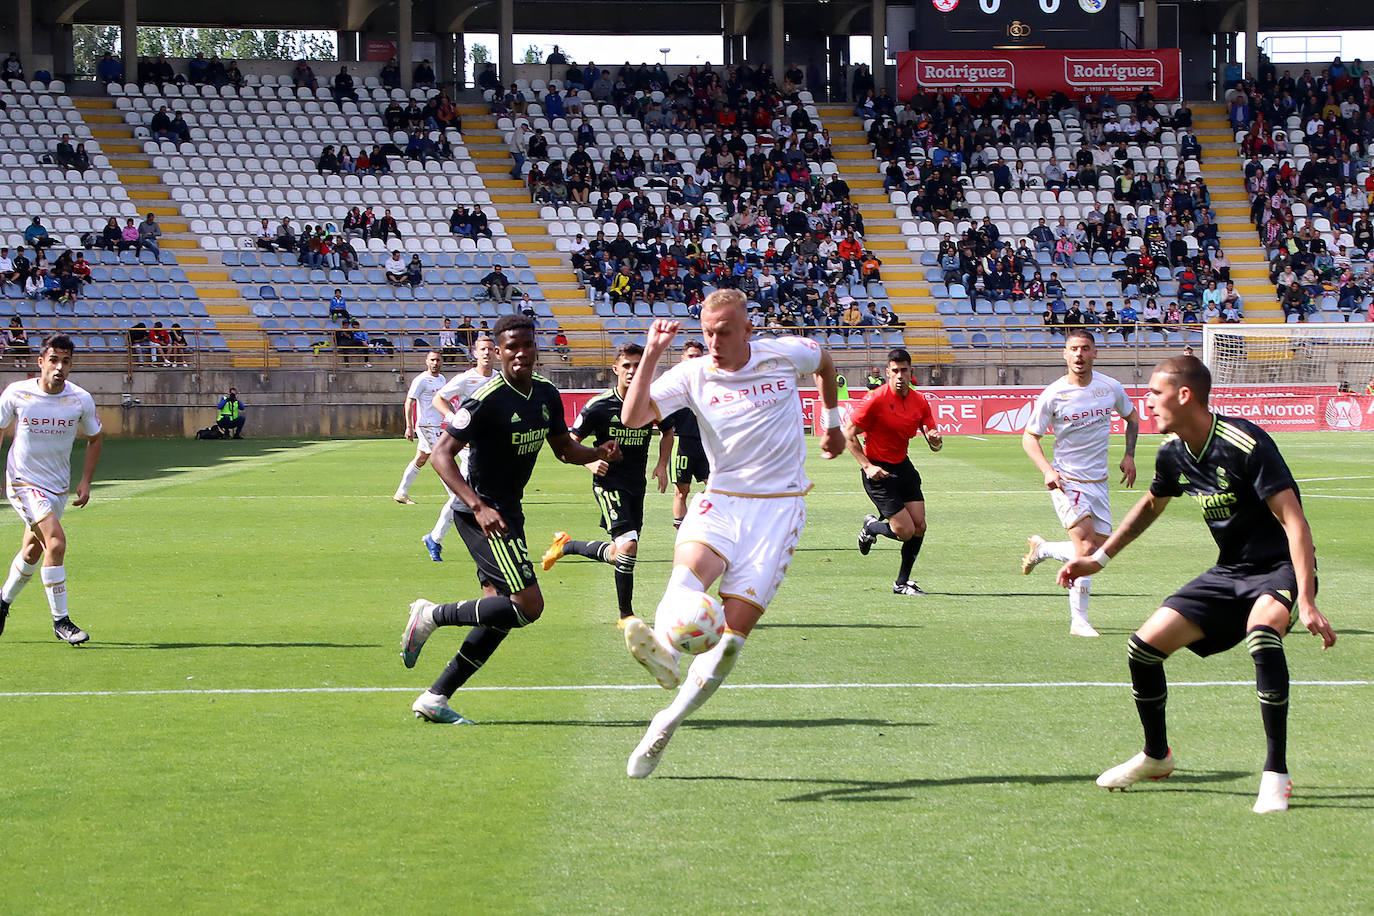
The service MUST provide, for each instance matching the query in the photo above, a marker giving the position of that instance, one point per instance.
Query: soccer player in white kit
(1077, 410)
(422, 421)
(47, 413)
(743, 528)
(446, 400)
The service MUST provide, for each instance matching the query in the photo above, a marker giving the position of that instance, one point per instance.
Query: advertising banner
(1123, 73)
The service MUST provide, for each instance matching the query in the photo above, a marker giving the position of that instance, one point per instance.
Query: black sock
(1271, 683)
(1150, 692)
(477, 648)
(625, 584)
(677, 523)
(879, 528)
(910, 548)
(596, 550)
(496, 611)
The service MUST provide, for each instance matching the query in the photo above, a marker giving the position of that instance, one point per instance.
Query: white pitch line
(1317, 479)
(1332, 496)
(574, 688)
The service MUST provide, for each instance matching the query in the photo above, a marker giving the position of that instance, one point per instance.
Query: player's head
(433, 360)
(725, 325)
(627, 358)
(694, 348)
(515, 346)
(55, 361)
(483, 349)
(899, 369)
(1080, 349)
(1179, 389)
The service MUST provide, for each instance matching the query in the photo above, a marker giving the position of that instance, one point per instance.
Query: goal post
(1306, 358)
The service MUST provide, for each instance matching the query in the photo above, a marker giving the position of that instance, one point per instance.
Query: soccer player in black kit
(690, 462)
(506, 423)
(1264, 579)
(618, 487)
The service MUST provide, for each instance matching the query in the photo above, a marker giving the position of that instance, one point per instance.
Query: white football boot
(433, 707)
(1275, 788)
(660, 660)
(1137, 768)
(418, 628)
(649, 751)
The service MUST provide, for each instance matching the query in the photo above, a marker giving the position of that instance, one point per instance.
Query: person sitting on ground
(230, 414)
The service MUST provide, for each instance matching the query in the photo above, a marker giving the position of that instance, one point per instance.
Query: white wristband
(830, 417)
(1100, 557)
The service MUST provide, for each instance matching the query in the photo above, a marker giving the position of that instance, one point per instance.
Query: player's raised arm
(638, 409)
(1288, 510)
(1141, 517)
(833, 439)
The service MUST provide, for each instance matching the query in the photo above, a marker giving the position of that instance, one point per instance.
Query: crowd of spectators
(1308, 180)
(60, 281)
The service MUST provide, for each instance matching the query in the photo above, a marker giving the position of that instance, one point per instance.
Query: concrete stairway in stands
(530, 235)
(204, 269)
(909, 295)
(1224, 173)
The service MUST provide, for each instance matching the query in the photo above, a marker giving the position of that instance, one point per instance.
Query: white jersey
(45, 427)
(751, 419)
(1081, 421)
(461, 387)
(423, 389)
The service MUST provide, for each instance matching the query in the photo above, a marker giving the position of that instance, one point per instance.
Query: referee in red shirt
(889, 418)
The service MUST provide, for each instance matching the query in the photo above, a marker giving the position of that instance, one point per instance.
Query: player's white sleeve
(1042, 415)
(6, 408)
(414, 392)
(670, 391)
(90, 418)
(802, 352)
(1124, 405)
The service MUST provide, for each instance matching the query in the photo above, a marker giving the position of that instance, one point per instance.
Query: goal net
(1306, 359)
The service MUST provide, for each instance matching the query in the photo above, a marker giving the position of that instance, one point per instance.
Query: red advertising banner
(1073, 73)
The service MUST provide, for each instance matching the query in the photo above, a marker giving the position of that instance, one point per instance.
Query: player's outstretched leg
(1038, 550)
(563, 545)
(1271, 685)
(434, 541)
(1151, 692)
(21, 571)
(55, 585)
(705, 674)
(432, 705)
(402, 494)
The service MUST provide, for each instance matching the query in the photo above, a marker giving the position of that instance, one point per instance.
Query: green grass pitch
(871, 753)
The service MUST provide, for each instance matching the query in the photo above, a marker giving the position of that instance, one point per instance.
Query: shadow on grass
(1342, 798)
(877, 790)
(712, 724)
(124, 460)
(94, 644)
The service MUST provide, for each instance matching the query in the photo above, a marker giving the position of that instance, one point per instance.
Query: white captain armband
(830, 417)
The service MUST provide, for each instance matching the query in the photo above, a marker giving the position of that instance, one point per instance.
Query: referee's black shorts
(502, 562)
(690, 462)
(901, 486)
(1220, 600)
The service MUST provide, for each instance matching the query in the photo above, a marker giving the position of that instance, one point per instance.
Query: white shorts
(1075, 499)
(754, 536)
(426, 437)
(34, 504)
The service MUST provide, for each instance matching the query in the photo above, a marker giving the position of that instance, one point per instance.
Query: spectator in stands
(264, 238)
(1129, 319)
(177, 347)
(161, 125)
(415, 272)
(395, 268)
(560, 344)
(302, 77)
(345, 253)
(109, 70)
(390, 75)
(70, 156)
(128, 236)
(148, 234)
(196, 69)
(17, 342)
(286, 235)
(19, 269)
(448, 341)
(385, 227)
(424, 75)
(12, 69)
(328, 161)
(497, 285)
(338, 307)
(1293, 301)
(36, 235)
(343, 87)
(519, 145)
(158, 343)
(6, 267)
(32, 285)
(488, 79)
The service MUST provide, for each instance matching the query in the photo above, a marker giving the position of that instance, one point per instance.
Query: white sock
(55, 584)
(407, 479)
(704, 675)
(1078, 598)
(20, 574)
(1059, 550)
(445, 520)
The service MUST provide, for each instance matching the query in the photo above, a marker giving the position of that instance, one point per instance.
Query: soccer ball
(694, 625)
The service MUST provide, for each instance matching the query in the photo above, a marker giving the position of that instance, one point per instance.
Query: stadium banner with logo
(1124, 73)
(994, 411)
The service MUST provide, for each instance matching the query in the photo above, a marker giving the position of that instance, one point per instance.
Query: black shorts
(1220, 600)
(504, 562)
(902, 486)
(621, 510)
(690, 462)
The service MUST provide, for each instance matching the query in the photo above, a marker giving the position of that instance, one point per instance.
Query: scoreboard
(987, 24)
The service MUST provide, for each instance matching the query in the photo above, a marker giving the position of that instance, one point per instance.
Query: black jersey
(505, 430)
(1239, 468)
(600, 419)
(683, 424)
